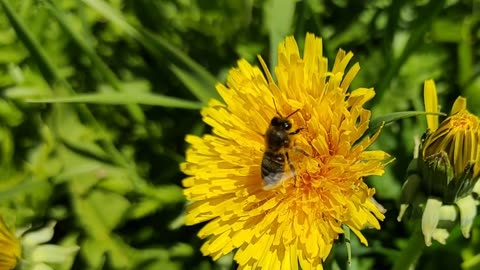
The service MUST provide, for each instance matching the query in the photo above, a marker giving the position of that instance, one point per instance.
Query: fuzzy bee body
(273, 167)
(277, 142)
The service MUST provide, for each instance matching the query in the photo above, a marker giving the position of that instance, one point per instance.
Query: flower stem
(411, 252)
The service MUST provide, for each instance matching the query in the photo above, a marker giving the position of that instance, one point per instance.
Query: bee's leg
(292, 168)
(298, 149)
(296, 131)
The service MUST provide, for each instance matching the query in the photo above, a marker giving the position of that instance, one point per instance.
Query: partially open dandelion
(296, 222)
(30, 250)
(446, 170)
(10, 249)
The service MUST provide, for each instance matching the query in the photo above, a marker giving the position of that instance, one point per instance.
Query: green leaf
(38, 54)
(92, 221)
(165, 194)
(143, 208)
(447, 30)
(116, 210)
(465, 52)
(124, 98)
(473, 262)
(22, 189)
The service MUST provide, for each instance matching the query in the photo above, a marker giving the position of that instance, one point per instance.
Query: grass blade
(108, 12)
(123, 99)
(428, 14)
(97, 62)
(196, 85)
(153, 42)
(204, 89)
(279, 18)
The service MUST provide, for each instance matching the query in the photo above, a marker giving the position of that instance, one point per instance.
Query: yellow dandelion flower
(296, 221)
(10, 249)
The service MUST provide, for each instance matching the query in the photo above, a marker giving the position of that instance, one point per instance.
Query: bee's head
(281, 123)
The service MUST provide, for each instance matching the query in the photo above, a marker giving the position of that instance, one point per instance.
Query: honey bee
(277, 143)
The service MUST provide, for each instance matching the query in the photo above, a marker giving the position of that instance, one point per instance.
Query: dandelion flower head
(449, 168)
(297, 222)
(458, 135)
(10, 249)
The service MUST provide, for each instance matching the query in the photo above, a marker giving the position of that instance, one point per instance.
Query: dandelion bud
(446, 171)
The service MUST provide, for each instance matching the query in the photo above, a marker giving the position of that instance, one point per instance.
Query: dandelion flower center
(464, 121)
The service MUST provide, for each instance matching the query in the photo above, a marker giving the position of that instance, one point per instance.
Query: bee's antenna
(288, 116)
(275, 104)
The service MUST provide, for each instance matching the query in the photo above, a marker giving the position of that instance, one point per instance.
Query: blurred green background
(96, 98)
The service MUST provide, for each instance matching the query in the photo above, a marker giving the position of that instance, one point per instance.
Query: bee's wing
(273, 180)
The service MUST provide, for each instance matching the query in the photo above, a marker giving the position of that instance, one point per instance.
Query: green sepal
(410, 189)
(348, 244)
(437, 175)
(413, 167)
(439, 179)
(464, 185)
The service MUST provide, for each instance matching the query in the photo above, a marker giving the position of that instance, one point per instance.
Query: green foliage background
(96, 98)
